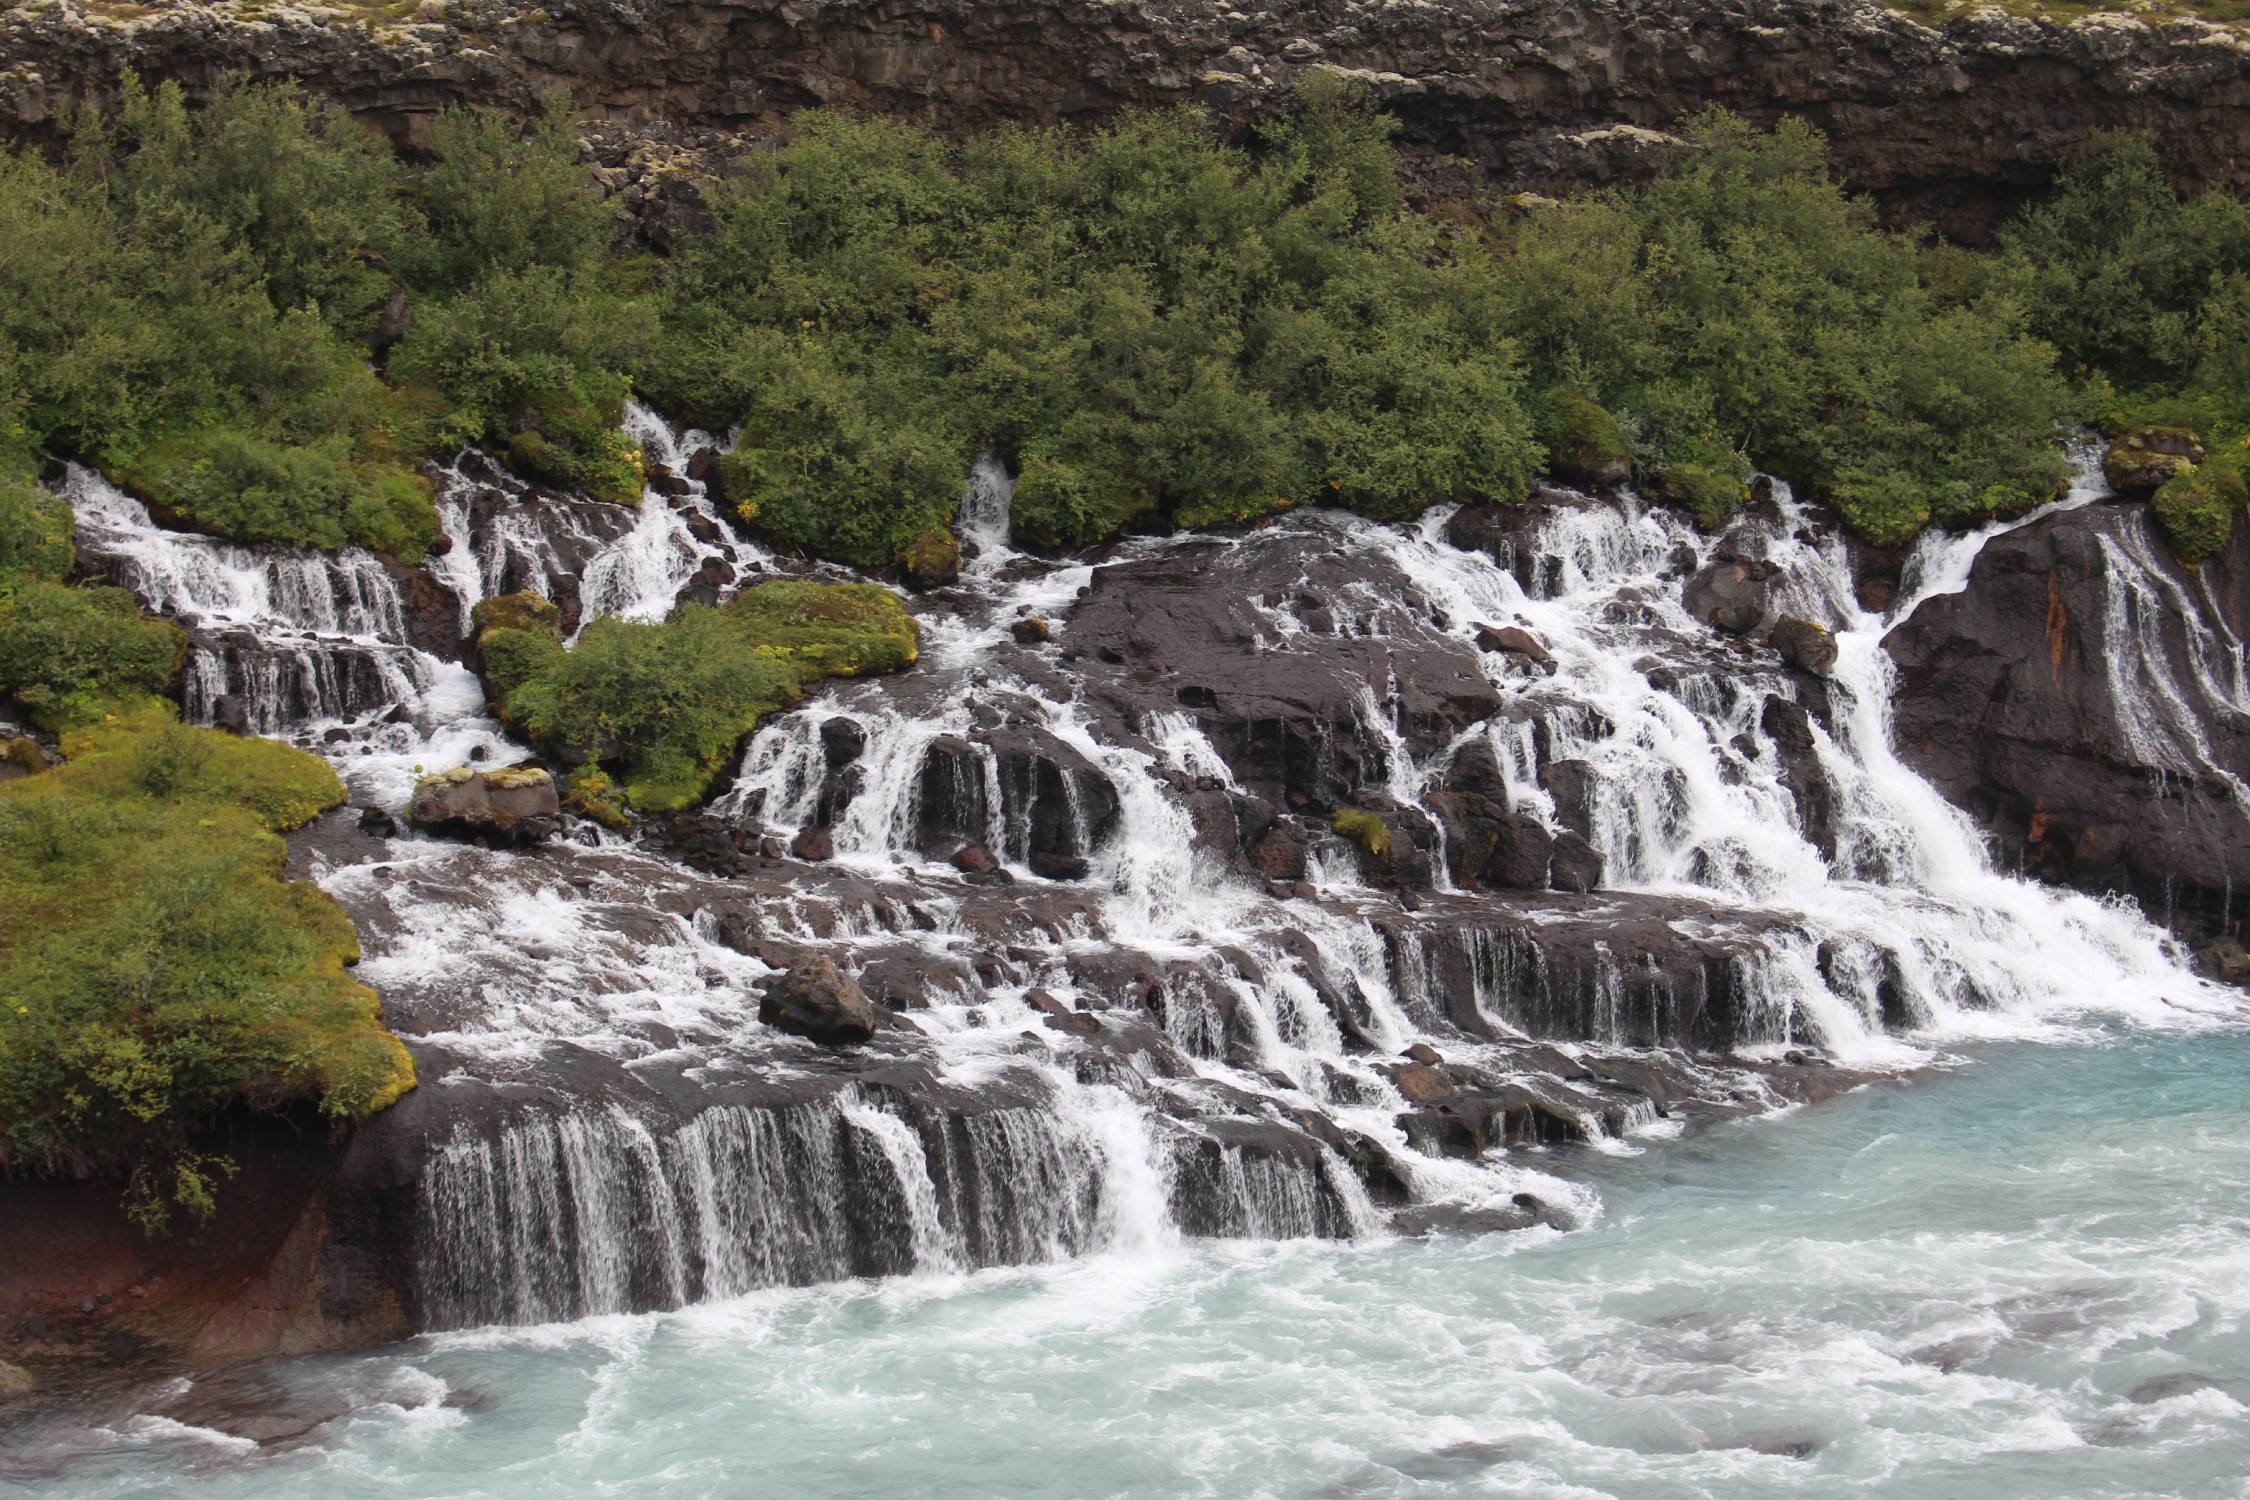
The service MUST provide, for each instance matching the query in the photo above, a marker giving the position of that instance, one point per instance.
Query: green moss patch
(1366, 829)
(157, 969)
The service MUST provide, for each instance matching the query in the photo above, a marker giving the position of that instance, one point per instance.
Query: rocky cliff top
(1543, 94)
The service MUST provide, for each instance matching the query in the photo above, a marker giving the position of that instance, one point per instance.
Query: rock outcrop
(2083, 699)
(1552, 94)
(515, 806)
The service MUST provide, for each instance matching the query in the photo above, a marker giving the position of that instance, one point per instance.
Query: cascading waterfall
(310, 647)
(1269, 1007)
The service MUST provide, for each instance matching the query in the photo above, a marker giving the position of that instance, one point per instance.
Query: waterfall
(1130, 1030)
(311, 647)
(983, 515)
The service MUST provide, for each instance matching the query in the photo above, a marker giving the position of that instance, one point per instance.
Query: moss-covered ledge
(158, 970)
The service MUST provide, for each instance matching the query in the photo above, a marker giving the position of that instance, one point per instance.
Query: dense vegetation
(262, 321)
(67, 653)
(1145, 322)
(2149, 293)
(190, 301)
(653, 710)
(156, 968)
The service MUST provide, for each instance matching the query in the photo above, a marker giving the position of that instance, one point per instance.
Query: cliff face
(1546, 94)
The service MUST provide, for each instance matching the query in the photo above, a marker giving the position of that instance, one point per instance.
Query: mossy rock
(157, 967)
(829, 629)
(591, 793)
(1366, 829)
(1711, 494)
(1584, 443)
(931, 560)
(2142, 460)
(523, 610)
(658, 711)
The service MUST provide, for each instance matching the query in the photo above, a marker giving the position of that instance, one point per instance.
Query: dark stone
(1423, 1052)
(1733, 595)
(516, 806)
(952, 806)
(1805, 644)
(813, 844)
(2009, 701)
(376, 822)
(1058, 866)
(1577, 865)
(842, 740)
(231, 713)
(817, 1001)
(974, 859)
(1513, 640)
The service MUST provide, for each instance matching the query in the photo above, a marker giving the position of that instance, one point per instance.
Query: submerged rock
(818, 1001)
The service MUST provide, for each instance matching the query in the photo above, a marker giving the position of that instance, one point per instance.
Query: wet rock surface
(510, 807)
(2083, 699)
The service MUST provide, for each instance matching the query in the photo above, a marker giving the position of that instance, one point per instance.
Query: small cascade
(294, 643)
(678, 538)
(983, 514)
(553, 1217)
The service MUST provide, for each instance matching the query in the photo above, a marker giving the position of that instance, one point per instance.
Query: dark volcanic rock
(818, 1001)
(1217, 631)
(2065, 699)
(1733, 595)
(1804, 644)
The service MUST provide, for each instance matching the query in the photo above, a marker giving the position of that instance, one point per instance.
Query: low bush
(2200, 506)
(655, 710)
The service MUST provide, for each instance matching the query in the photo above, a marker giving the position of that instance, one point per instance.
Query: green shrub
(1706, 478)
(67, 652)
(2199, 506)
(158, 969)
(1140, 320)
(35, 534)
(1885, 508)
(236, 484)
(1743, 303)
(659, 707)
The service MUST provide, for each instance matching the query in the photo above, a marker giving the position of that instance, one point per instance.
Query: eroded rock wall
(1547, 94)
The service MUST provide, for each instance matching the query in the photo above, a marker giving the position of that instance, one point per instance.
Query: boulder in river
(515, 806)
(1804, 644)
(1733, 595)
(818, 1001)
